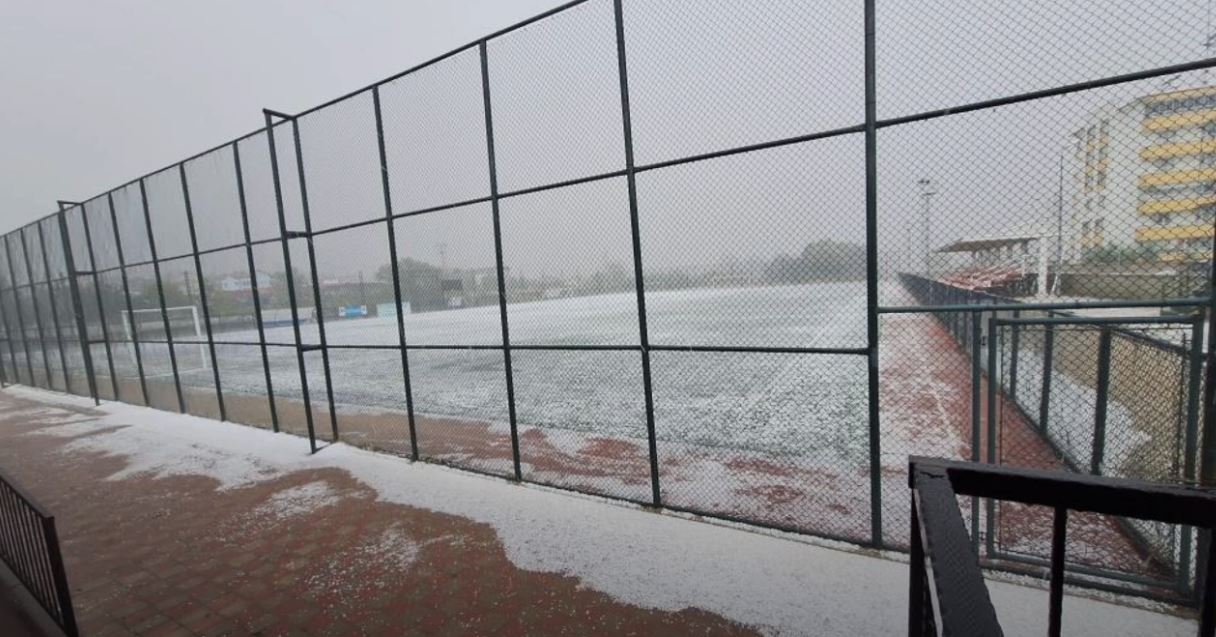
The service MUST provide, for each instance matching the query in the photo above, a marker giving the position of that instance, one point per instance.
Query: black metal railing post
(1206, 575)
(126, 295)
(994, 415)
(1049, 343)
(1190, 451)
(399, 311)
(1206, 589)
(50, 292)
(917, 576)
(78, 309)
(976, 414)
(160, 295)
(1059, 530)
(253, 284)
(1098, 453)
(502, 289)
(960, 597)
(202, 291)
(101, 311)
(291, 285)
(872, 337)
(319, 310)
(1061, 491)
(16, 302)
(639, 279)
(1015, 343)
(63, 595)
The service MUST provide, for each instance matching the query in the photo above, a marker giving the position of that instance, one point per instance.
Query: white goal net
(148, 327)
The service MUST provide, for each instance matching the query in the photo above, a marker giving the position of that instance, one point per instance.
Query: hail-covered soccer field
(778, 400)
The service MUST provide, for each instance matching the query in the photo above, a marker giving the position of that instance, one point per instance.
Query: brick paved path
(309, 553)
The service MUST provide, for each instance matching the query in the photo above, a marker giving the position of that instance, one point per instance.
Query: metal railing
(29, 546)
(1033, 364)
(947, 594)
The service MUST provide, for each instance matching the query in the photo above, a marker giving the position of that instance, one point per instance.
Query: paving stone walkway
(309, 553)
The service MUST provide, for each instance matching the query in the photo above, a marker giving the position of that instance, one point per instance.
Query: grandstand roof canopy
(990, 243)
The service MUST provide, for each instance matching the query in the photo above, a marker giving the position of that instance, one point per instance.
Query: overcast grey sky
(97, 93)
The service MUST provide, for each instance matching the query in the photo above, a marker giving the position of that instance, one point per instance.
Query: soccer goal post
(148, 327)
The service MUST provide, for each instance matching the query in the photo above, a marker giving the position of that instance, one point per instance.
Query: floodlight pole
(927, 190)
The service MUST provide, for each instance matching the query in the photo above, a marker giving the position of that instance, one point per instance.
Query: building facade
(1144, 181)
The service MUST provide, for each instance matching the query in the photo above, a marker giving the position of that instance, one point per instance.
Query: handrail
(29, 546)
(957, 600)
(957, 603)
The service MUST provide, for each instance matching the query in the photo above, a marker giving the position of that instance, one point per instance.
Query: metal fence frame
(976, 319)
(29, 546)
(962, 316)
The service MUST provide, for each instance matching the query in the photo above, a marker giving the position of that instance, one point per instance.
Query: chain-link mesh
(710, 76)
(556, 99)
(1110, 400)
(582, 421)
(435, 136)
(445, 261)
(460, 397)
(341, 163)
(925, 398)
(777, 438)
(570, 278)
(644, 271)
(788, 272)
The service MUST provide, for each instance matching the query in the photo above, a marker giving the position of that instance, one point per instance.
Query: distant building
(1143, 179)
(244, 284)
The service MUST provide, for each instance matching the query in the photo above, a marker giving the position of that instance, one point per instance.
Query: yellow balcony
(1179, 94)
(1174, 232)
(1177, 177)
(1182, 149)
(1180, 120)
(1169, 206)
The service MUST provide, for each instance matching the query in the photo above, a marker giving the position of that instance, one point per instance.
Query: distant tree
(277, 297)
(784, 269)
(822, 260)
(149, 296)
(419, 282)
(1121, 254)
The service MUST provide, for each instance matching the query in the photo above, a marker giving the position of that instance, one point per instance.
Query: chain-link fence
(1115, 397)
(734, 258)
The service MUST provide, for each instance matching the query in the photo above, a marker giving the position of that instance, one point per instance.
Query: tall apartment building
(1144, 180)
